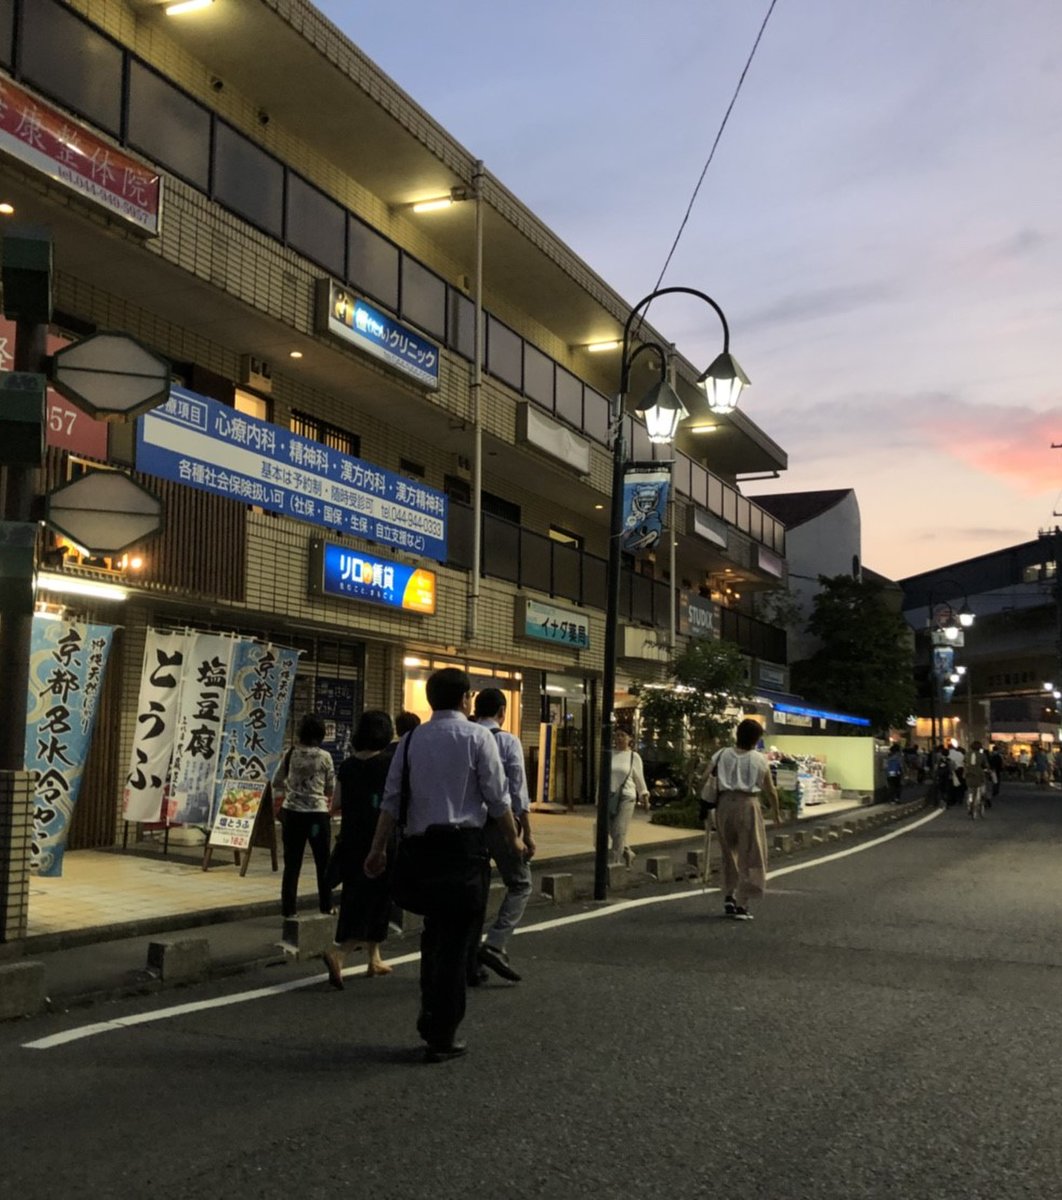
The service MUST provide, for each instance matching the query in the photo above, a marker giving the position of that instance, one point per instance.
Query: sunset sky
(882, 221)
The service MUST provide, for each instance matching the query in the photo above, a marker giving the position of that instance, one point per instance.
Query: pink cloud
(1012, 444)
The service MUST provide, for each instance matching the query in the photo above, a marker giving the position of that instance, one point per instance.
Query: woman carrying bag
(626, 787)
(739, 776)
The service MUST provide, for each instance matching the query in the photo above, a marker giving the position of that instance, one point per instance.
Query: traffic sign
(105, 512)
(111, 376)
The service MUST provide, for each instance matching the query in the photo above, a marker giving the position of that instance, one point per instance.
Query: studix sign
(56, 145)
(697, 617)
(363, 325)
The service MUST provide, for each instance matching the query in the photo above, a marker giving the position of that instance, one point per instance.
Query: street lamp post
(944, 619)
(662, 409)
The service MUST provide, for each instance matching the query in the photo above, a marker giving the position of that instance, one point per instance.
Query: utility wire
(708, 163)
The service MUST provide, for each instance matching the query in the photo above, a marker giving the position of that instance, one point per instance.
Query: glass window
(423, 297)
(462, 325)
(7, 37)
(715, 495)
(316, 226)
(248, 180)
(372, 264)
(682, 473)
(569, 398)
(251, 405)
(730, 506)
(597, 413)
(169, 126)
(699, 485)
(69, 60)
(538, 377)
(505, 354)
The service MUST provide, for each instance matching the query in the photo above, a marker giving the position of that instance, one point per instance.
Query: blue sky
(882, 221)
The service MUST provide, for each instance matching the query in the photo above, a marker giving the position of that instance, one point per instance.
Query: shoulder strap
(403, 809)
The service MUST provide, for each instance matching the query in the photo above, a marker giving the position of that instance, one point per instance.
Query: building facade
(236, 189)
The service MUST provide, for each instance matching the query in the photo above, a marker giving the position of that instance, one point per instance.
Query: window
(316, 226)
(413, 469)
(168, 126)
(462, 325)
(457, 489)
(329, 435)
(498, 506)
(69, 60)
(423, 297)
(505, 354)
(251, 405)
(372, 263)
(248, 180)
(1038, 572)
(538, 378)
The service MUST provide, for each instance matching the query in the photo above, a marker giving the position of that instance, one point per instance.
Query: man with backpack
(515, 870)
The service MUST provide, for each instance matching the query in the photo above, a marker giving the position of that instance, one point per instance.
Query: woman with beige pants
(743, 776)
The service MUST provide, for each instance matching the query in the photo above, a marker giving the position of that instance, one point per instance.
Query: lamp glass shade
(723, 382)
(662, 410)
(966, 617)
(951, 632)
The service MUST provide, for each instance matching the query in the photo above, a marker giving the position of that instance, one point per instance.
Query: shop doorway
(567, 705)
(482, 675)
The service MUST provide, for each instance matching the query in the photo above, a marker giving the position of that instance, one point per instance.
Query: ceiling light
(602, 347)
(6, 209)
(702, 428)
(435, 203)
(80, 587)
(186, 6)
(295, 354)
(599, 507)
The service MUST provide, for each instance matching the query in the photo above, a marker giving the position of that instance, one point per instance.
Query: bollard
(783, 842)
(309, 936)
(559, 888)
(660, 867)
(695, 859)
(183, 960)
(21, 989)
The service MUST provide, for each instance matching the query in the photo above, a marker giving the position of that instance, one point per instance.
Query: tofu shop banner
(207, 445)
(210, 725)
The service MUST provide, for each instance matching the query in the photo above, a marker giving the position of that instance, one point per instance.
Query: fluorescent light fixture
(435, 203)
(603, 347)
(413, 661)
(6, 209)
(186, 6)
(47, 614)
(80, 587)
(702, 428)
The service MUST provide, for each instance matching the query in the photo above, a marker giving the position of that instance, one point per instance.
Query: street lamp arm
(668, 291)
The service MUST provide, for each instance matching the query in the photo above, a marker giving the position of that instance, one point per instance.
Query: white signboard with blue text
(371, 330)
(203, 444)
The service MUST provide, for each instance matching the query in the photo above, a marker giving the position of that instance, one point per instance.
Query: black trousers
(454, 901)
(299, 828)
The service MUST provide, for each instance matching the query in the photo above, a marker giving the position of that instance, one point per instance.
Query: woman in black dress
(365, 904)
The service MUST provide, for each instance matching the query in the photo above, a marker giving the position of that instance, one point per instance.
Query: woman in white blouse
(743, 775)
(626, 786)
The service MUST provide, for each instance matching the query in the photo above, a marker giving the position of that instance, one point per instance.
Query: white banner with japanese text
(156, 725)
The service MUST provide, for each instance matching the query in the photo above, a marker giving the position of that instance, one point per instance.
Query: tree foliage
(865, 664)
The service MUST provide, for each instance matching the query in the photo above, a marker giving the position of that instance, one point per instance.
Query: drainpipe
(472, 616)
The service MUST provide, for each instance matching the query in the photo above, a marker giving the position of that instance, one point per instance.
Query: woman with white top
(304, 783)
(626, 786)
(743, 775)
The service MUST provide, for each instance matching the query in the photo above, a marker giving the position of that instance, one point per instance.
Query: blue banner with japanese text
(68, 660)
(206, 445)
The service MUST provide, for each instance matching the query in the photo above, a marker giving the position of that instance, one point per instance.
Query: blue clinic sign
(207, 445)
(346, 316)
(342, 571)
(548, 623)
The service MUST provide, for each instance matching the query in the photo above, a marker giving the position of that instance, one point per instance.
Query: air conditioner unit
(256, 373)
(462, 466)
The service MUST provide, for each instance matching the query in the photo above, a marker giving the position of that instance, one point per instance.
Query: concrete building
(235, 188)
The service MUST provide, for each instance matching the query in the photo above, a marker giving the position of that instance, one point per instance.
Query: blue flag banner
(207, 445)
(645, 492)
(256, 716)
(943, 661)
(67, 664)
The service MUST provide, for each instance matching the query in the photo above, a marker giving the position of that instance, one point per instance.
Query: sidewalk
(107, 961)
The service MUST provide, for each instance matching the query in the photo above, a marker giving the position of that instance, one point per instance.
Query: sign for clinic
(341, 571)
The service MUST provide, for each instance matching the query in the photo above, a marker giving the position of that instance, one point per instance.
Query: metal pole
(672, 557)
(472, 616)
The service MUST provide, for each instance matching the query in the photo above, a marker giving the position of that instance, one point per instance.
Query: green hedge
(682, 814)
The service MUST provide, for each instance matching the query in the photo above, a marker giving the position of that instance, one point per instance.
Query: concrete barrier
(21, 989)
(695, 859)
(183, 960)
(560, 888)
(618, 875)
(309, 936)
(783, 842)
(660, 867)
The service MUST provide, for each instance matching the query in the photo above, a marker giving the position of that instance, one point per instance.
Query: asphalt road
(889, 1026)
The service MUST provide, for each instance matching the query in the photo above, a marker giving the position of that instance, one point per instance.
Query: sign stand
(263, 833)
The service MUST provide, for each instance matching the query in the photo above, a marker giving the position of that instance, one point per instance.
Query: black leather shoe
(498, 961)
(478, 978)
(434, 1054)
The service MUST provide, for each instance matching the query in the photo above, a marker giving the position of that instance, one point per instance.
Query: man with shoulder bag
(446, 777)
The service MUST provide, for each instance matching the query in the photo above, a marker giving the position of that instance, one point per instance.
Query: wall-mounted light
(702, 428)
(601, 347)
(186, 6)
(436, 203)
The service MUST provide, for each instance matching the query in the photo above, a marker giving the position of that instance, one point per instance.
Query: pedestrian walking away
(489, 711)
(995, 763)
(894, 773)
(976, 774)
(304, 783)
(445, 779)
(626, 787)
(743, 776)
(365, 904)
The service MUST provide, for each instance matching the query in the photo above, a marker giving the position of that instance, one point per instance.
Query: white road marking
(276, 989)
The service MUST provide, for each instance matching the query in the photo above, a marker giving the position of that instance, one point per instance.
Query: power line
(711, 155)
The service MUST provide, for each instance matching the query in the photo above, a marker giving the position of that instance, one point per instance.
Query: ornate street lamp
(662, 410)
